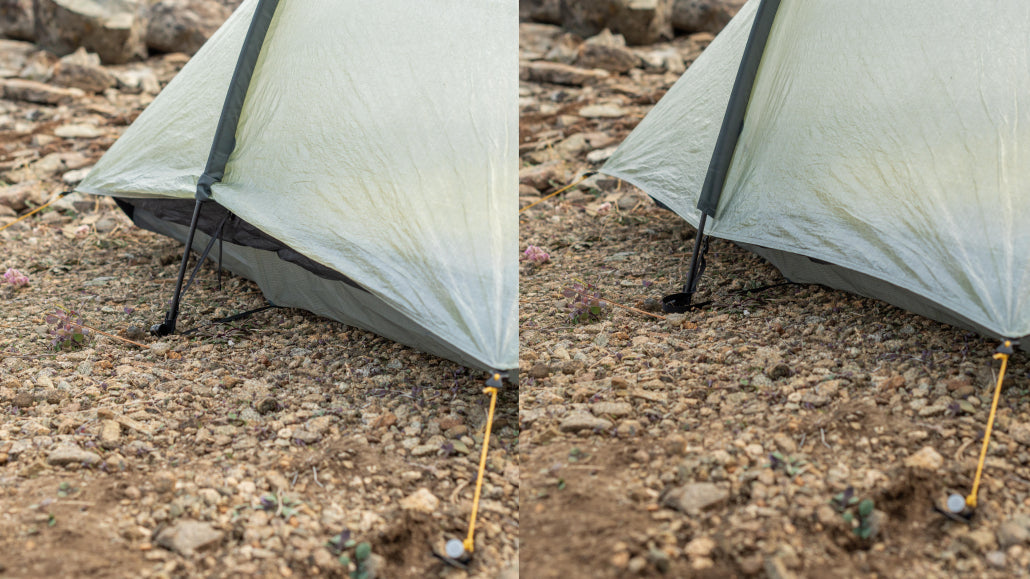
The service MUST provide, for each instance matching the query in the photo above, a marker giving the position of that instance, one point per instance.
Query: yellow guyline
(1003, 353)
(585, 176)
(37, 209)
(491, 389)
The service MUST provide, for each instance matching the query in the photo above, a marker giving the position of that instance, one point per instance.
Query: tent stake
(168, 325)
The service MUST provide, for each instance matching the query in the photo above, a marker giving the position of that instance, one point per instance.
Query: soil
(252, 448)
(742, 438)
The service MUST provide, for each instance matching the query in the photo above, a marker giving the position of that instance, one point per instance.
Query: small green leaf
(350, 543)
(344, 560)
(865, 508)
(362, 551)
(848, 517)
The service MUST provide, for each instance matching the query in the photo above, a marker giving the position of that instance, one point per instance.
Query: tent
(877, 147)
(357, 160)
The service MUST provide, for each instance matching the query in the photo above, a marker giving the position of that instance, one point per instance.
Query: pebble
(422, 501)
(927, 459)
(700, 547)
(612, 409)
(110, 434)
(1011, 533)
(577, 421)
(695, 497)
(996, 559)
(68, 454)
(187, 536)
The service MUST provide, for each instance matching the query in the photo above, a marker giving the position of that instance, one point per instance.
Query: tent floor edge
(288, 284)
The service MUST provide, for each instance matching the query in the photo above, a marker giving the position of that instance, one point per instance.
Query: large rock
(113, 29)
(640, 21)
(17, 20)
(183, 25)
(17, 89)
(81, 69)
(13, 56)
(607, 51)
(540, 10)
(704, 15)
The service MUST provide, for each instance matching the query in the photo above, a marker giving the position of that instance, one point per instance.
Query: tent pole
(168, 325)
(692, 276)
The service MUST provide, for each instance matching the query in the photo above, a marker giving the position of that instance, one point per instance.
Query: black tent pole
(224, 141)
(168, 325)
(726, 145)
(692, 275)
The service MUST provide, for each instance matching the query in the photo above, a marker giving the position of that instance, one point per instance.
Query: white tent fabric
(888, 138)
(377, 139)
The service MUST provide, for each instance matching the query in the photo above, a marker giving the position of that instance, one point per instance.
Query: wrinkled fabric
(378, 139)
(889, 138)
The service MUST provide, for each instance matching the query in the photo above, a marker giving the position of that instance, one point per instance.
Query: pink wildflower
(15, 277)
(535, 255)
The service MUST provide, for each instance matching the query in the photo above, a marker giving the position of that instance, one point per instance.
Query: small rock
(603, 111)
(996, 559)
(422, 500)
(186, 537)
(77, 131)
(110, 433)
(778, 371)
(700, 547)
(65, 454)
(607, 51)
(1012, 533)
(558, 73)
(927, 459)
(695, 497)
(540, 371)
(17, 89)
(613, 409)
(577, 421)
(24, 400)
(82, 70)
(268, 405)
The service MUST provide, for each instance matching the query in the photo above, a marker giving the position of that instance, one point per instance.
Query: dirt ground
(272, 446)
(791, 432)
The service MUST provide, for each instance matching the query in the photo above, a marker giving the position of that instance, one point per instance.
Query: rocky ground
(272, 446)
(792, 432)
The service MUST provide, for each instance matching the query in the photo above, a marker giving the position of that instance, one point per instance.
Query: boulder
(82, 70)
(639, 21)
(548, 11)
(703, 15)
(183, 25)
(113, 29)
(17, 20)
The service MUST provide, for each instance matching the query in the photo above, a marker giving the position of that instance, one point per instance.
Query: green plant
(791, 466)
(343, 545)
(66, 330)
(858, 514)
(585, 304)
